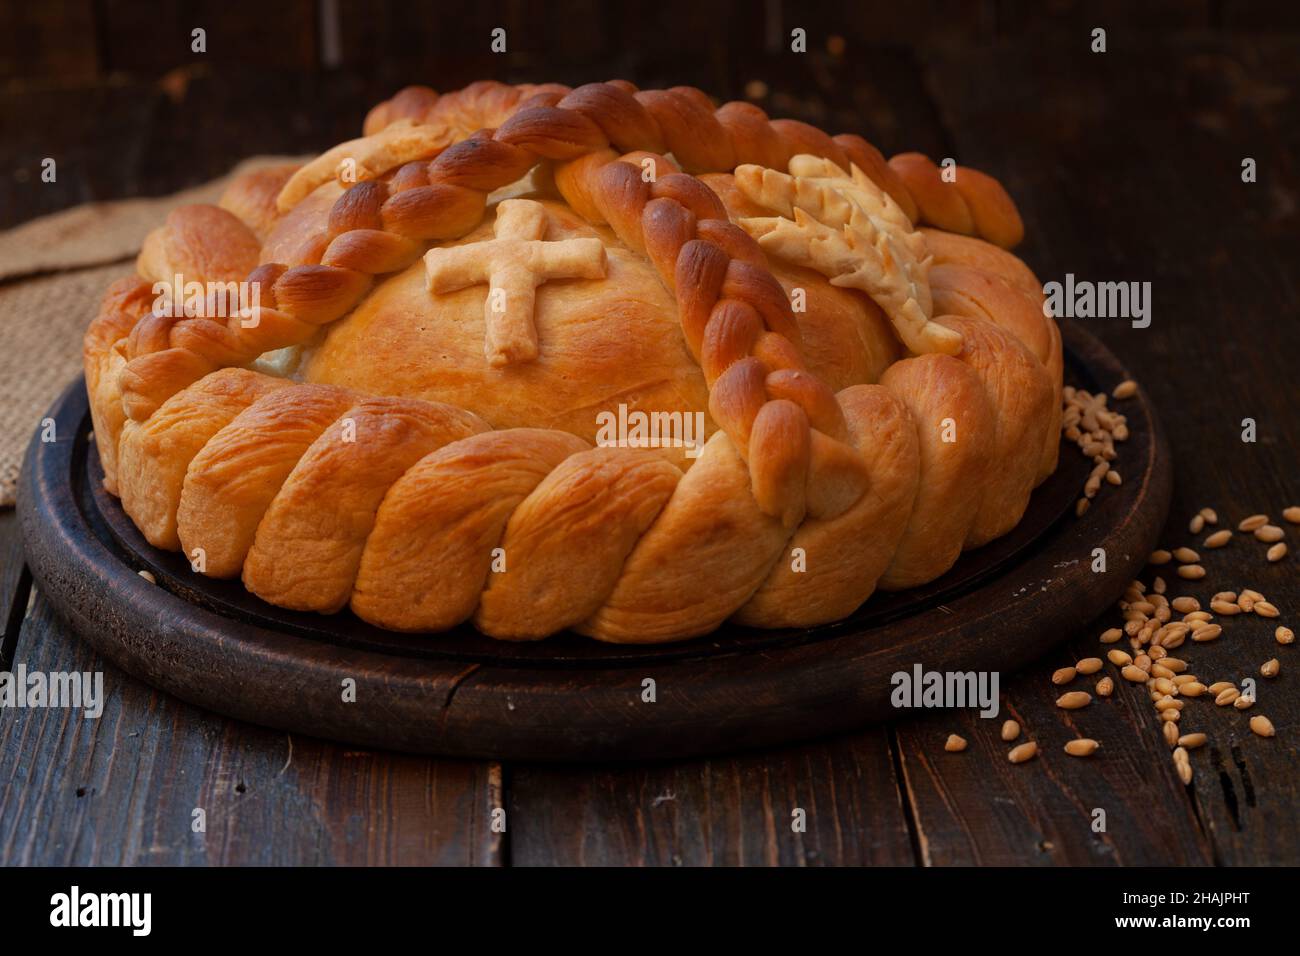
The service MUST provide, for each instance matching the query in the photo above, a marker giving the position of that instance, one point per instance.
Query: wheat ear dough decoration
(850, 230)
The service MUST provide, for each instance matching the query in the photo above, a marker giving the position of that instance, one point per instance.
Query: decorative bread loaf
(411, 420)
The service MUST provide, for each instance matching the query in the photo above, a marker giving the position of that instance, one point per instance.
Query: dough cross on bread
(513, 265)
(851, 231)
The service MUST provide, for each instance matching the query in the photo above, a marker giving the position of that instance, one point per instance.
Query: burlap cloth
(53, 272)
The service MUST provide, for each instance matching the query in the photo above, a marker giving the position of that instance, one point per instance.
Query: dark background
(111, 89)
(1125, 165)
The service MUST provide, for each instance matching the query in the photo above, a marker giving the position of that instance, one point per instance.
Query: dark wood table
(1127, 166)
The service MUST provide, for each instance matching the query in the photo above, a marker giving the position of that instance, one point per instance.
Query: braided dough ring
(617, 361)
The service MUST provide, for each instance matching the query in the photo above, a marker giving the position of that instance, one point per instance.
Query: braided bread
(450, 314)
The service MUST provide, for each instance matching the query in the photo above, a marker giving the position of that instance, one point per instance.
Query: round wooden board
(459, 693)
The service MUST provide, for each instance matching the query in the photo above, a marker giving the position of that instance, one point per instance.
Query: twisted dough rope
(729, 307)
(379, 227)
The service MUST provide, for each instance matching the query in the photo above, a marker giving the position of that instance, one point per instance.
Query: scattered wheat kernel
(955, 744)
(1186, 556)
(1170, 731)
(1143, 661)
(1192, 741)
(1224, 608)
(1244, 702)
(1262, 725)
(1227, 696)
(1284, 635)
(1218, 539)
(1105, 687)
(1191, 572)
(1158, 588)
(1156, 652)
(1163, 685)
(1208, 633)
(1160, 556)
(1170, 716)
(1183, 765)
(1185, 605)
(1074, 700)
(1158, 670)
(1219, 685)
(1266, 609)
(1063, 675)
(1253, 522)
(1292, 514)
(1269, 533)
(1210, 515)
(1192, 689)
(1080, 507)
(148, 576)
(1183, 679)
(1111, 635)
(1196, 525)
(1083, 747)
(1169, 703)
(1010, 730)
(1022, 752)
(1113, 478)
(1132, 672)
(1277, 552)
(1177, 665)
(1089, 665)
(1125, 389)
(1270, 667)
(1119, 658)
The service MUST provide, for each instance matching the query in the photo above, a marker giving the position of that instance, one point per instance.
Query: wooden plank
(15, 584)
(1033, 21)
(122, 789)
(976, 808)
(55, 38)
(151, 39)
(723, 812)
(1121, 187)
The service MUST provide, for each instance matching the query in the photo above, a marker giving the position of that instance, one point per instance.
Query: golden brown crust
(431, 551)
(431, 519)
(154, 455)
(954, 426)
(230, 483)
(309, 543)
(566, 543)
(200, 244)
(252, 197)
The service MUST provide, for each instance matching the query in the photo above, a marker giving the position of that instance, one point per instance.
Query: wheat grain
(1083, 747)
(1023, 752)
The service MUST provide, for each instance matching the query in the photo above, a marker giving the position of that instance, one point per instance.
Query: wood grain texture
(1125, 167)
(458, 695)
(15, 585)
(1165, 203)
(123, 788)
(731, 811)
(976, 808)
